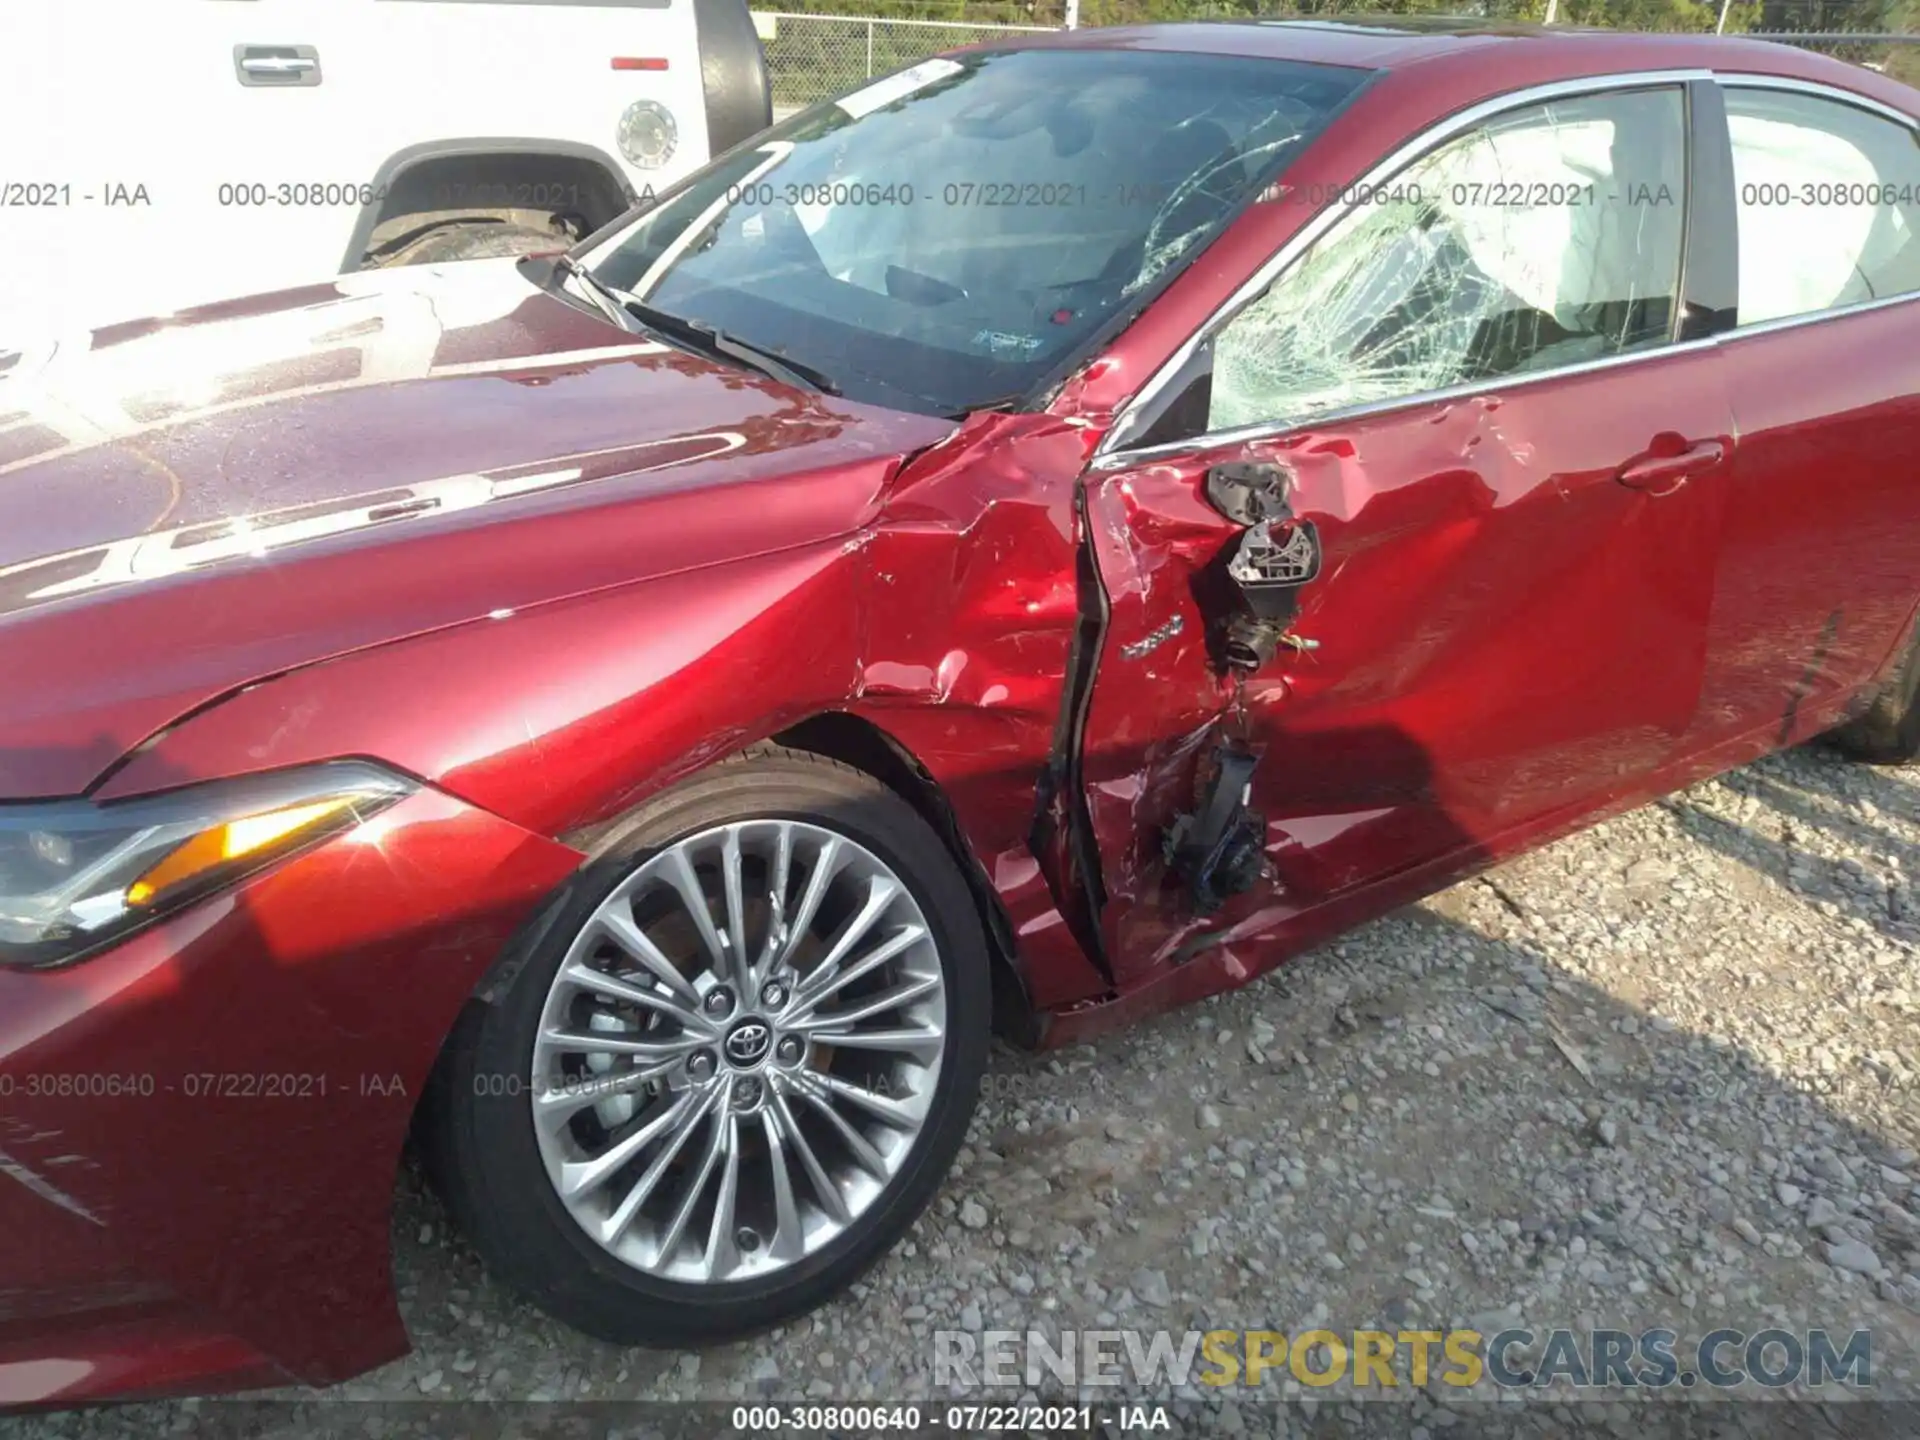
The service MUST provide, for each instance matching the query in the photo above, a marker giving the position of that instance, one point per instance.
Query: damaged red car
(1043, 538)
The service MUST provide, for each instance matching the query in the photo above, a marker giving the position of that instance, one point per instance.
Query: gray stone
(1150, 1288)
(1853, 1255)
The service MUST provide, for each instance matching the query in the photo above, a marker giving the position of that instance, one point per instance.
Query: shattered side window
(1549, 236)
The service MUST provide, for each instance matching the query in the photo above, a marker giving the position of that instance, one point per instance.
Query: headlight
(75, 876)
(647, 134)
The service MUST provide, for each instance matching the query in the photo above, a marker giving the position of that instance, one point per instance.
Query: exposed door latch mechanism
(1219, 849)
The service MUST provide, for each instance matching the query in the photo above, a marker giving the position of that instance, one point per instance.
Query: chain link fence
(814, 55)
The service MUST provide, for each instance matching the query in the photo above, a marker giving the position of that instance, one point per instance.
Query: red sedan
(1046, 537)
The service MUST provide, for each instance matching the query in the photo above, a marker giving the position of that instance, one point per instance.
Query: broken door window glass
(1548, 236)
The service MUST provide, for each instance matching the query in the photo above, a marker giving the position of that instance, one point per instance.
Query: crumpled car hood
(196, 502)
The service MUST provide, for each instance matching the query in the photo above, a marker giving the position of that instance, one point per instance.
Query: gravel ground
(1662, 1073)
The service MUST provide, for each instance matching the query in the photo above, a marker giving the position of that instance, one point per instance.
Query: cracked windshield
(943, 238)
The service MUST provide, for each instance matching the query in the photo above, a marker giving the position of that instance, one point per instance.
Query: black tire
(476, 241)
(481, 1150)
(1887, 732)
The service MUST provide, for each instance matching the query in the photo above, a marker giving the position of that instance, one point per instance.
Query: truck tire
(478, 240)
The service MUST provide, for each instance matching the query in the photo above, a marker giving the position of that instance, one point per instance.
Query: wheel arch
(839, 735)
(1882, 725)
(404, 183)
(859, 743)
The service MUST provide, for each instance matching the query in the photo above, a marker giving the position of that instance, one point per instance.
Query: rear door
(1820, 572)
(1483, 451)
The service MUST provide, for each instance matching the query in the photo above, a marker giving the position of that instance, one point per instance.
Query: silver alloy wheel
(738, 1050)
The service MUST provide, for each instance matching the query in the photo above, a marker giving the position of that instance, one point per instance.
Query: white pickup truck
(156, 154)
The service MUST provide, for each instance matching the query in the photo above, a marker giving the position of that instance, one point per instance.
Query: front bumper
(200, 1129)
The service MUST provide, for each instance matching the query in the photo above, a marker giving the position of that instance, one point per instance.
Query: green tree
(1670, 15)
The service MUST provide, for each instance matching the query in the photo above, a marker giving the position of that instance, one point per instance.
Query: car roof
(1383, 42)
(1474, 58)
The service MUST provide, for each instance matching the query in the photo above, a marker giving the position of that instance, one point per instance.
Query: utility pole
(1073, 14)
(1553, 9)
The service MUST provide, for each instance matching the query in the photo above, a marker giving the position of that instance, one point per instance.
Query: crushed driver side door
(1411, 557)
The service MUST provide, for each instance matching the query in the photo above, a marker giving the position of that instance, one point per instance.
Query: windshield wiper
(605, 299)
(624, 310)
(714, 341)
(999, 403)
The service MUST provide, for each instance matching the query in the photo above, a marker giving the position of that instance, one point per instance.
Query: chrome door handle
(276, 65)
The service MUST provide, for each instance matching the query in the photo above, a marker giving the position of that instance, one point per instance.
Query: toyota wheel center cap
(748, 1042)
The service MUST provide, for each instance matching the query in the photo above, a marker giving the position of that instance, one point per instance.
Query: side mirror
(1249, 491)
(1268, 564)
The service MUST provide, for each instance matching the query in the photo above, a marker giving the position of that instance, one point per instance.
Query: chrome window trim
(1119, 459)
(1819, 89)
(1814, 317)
(1113, 445)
